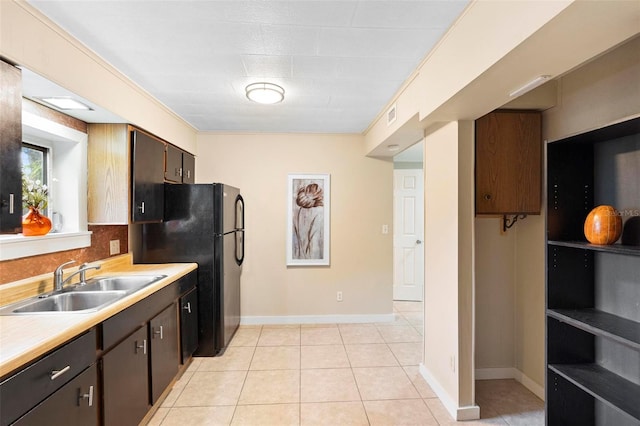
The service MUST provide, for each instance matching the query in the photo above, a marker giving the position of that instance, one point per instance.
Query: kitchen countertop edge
(24, 338)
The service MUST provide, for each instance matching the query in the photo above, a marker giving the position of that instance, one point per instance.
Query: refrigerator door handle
(239, 256)
(239, 212)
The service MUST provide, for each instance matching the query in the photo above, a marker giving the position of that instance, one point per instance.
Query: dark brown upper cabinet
(508, 162)
(147, 204)
(10, 147)
(179, 166)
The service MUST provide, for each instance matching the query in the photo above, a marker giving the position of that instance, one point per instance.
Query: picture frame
(308, 219)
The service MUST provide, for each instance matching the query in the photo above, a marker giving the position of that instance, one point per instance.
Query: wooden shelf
(604, 385)
(613, 248)
(601, 323)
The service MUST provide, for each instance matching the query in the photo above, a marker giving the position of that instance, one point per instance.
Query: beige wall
(448, 306)
(605, 91)
(495, 294)
(510, 268)
(361, 202)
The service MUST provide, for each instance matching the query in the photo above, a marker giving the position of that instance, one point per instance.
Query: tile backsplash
(17, 269)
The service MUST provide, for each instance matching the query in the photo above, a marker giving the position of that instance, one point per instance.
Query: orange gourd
(603, 225)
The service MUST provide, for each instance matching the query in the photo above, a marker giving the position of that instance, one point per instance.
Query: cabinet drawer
(76, 403)
(27, 388)
(124, 323)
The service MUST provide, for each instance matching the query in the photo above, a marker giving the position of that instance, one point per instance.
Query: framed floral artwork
(308, 217)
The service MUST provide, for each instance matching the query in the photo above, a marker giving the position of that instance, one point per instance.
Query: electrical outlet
(114, 247)
(385, 229)
(339, 296)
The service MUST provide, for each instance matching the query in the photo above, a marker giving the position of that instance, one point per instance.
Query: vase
(603, 225)
(34, 223)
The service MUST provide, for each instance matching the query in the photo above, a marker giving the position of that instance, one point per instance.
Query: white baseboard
(511, 373)
(471, 412)
(315, 319)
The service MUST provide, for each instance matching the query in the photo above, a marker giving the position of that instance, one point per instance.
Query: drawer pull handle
(187, 307)
(88, 396)
(159, 333)
(143, 346)
(57, 373)
(11, 203)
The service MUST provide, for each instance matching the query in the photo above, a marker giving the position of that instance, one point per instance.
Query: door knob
(418, 241)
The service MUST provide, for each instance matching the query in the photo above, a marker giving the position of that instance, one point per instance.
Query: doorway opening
(408, 225)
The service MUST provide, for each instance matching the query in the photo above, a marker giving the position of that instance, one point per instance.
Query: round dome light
(265, 93)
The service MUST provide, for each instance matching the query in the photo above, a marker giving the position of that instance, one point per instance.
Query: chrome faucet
(59, 282)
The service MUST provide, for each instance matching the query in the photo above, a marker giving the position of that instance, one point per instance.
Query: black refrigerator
(203, 223)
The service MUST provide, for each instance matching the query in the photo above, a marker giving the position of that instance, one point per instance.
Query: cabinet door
(188, 168)
(148, 178)
(189, 324)
(10, 147)
(173, 166)
(108, 174)
(76, 403)
(508, 163)
(125, 381)
(165, 353)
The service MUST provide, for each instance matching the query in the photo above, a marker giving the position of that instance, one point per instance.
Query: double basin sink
(91, 296)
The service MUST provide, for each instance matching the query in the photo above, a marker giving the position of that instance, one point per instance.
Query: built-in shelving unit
(593, 291)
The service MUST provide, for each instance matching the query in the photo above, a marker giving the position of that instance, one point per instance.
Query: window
(57, 154)
(34, 164)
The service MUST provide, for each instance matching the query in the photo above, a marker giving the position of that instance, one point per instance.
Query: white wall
(361, 202)
(30, 39)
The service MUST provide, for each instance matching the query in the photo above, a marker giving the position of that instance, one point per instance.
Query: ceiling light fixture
(265, 93)
(393, 147)
(65, 103)
(530, 85)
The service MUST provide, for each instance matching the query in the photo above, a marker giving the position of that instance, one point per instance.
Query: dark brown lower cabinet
(125, 370)
(189, 324)
(165, 350)
(76, 403)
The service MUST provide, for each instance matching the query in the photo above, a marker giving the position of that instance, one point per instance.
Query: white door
(408, 234)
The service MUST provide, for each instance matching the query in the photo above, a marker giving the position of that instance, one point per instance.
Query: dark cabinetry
(138, 369)
(76, 403)
(32, 385)
(179, 166)
(189, 324)
(148, 177)
(165, 352)
(10, 147)
(593, 291)
(127, 168)
(508, 162)
(125, 380)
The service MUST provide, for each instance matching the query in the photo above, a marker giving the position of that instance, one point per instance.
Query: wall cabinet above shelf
(509, 162)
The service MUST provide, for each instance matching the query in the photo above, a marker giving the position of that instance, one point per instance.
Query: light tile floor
(330, 374)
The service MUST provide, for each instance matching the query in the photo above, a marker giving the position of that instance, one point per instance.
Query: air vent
(391, 115)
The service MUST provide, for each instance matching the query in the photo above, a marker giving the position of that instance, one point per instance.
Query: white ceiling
(340, 62)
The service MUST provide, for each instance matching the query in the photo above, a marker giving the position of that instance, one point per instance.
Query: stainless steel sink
(96, 294)
(128, 283)
(69, 302)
